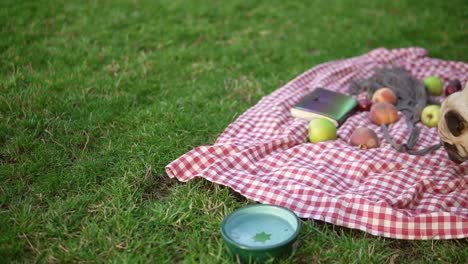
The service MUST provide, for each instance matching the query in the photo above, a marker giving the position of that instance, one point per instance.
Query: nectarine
(384, 95)
(383, 113)
(364, 138)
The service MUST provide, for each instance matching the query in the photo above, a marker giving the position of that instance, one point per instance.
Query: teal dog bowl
(260, 232)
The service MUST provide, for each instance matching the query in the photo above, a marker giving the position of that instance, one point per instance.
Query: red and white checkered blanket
(264, 155)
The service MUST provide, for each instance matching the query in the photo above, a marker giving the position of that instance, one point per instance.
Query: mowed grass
(96, 97)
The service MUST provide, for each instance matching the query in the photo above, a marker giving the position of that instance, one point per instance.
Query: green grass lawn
(96, 97)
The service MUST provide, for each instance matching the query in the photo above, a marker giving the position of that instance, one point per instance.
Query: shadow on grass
(158, 187)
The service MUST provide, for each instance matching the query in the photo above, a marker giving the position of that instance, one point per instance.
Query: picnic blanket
(264, 155)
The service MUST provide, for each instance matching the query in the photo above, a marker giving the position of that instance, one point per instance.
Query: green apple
(430, 115)
(321, 129)
(434, 85)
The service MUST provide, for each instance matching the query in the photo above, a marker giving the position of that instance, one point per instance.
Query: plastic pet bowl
(260, 232)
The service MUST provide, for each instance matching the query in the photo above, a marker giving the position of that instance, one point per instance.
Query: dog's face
(453, 125)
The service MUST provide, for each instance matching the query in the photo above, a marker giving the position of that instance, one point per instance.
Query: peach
(383, 113)
(364, 138)
(384, 95)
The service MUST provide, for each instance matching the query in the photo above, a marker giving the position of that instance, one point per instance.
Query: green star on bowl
(262, 237)
(260, 232)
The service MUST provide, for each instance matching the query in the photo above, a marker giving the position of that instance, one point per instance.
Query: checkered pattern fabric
(264, 155)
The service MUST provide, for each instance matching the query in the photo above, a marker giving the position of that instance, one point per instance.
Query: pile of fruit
(382, 111)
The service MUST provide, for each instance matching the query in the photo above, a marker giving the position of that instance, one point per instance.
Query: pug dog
(453, 125)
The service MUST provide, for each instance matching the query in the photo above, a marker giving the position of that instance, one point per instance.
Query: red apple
(453, 87)
(364, 104)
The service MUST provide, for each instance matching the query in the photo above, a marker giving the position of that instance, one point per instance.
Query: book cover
(325, 103)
